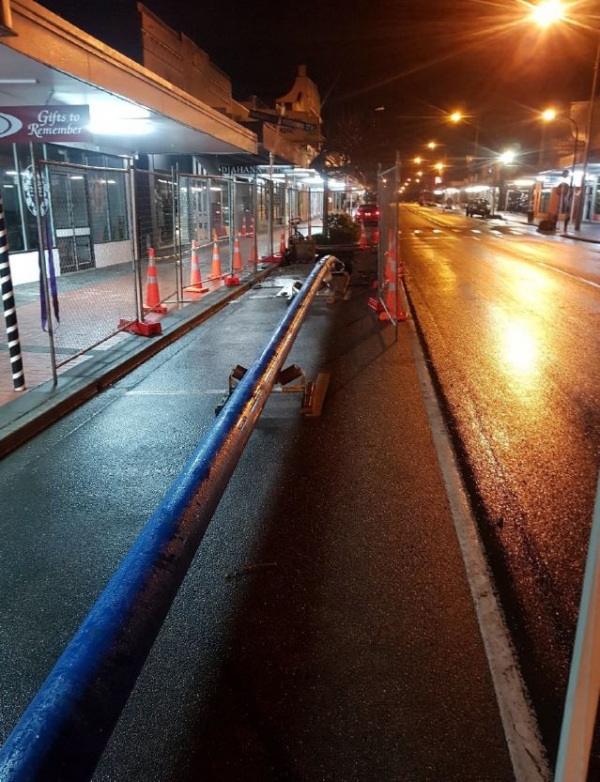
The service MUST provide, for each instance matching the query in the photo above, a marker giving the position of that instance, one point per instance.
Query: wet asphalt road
(325, 630)
(511, 322)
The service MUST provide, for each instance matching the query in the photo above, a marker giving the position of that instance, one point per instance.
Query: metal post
(175, 196)
(232, 196)
(137, 261)
(42, 263)
(255, 222)
(584, 678)
(588, 136)
(64, 731)
(270, 208)
(10, 310)
(397, 270)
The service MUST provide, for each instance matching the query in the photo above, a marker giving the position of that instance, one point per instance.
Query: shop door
(71, 216)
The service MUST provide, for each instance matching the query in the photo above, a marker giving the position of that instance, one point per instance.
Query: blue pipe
(63, 732)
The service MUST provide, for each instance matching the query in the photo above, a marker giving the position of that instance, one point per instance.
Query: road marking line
(568, 274)
(518, 718)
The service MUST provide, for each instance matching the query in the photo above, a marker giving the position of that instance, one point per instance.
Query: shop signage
(43, 195)
(44, 123)
(238, 170)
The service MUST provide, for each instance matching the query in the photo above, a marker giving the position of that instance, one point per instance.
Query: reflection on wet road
(510, 319)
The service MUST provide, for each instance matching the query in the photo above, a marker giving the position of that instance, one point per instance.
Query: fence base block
(141, 328)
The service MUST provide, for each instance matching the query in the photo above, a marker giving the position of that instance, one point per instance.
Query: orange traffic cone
(390, 253)
(237, 255)
(152, 293)
(393, 305)
(243, 231)
(195, 285)
(251, 229)
(363, 236)
(252, 254)
(282, 242)
(215, 272)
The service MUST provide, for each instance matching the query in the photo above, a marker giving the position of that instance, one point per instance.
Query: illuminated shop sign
(44, 123)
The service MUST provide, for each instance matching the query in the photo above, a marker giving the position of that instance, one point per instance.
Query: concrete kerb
(35, 410)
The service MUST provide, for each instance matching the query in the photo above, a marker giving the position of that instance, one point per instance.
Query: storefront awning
(50, 61)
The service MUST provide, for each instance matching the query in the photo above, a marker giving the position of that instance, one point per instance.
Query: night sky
(418, 59)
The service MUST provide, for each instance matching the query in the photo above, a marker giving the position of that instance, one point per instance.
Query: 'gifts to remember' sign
(44, 123)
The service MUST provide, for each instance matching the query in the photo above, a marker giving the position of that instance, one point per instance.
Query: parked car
(478, 207)
(368, 214)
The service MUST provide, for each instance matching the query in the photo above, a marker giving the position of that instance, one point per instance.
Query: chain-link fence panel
(389, 267)
(244, 218)
(87, 236)
(158, 246)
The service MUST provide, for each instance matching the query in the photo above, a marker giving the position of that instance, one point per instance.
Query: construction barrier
(195, 285)
(216, 273)
(237, 264)
(152, 303)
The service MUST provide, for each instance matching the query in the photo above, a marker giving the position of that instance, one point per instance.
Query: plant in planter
(340, 230)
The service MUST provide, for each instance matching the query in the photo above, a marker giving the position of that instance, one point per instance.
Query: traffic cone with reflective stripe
(237, 255)
(195, 285)
(251, 229)
(252, 255)
(391, 293)
(243, 231)
(216, 273)
(152, 303)
(363, 237)
(390, 252)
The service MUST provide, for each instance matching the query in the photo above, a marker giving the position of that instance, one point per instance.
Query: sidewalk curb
(39, 408)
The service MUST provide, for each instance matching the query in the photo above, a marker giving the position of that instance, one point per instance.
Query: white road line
(518, 719)
(568, 274)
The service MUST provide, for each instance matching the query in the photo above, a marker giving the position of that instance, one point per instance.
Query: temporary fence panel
(87, 238)
(243, 210)
(265, 224)
(155, 205)
(197, 218)
(389, 265)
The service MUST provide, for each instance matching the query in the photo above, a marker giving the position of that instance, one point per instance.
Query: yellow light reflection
(520, 349)
(521, 338)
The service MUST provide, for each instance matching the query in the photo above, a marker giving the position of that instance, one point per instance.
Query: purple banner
(44, 123)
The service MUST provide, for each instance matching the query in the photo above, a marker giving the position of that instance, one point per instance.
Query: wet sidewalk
(589, 232)
(22, 414)
(326, 629)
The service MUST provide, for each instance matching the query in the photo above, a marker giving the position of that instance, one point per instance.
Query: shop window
(9, 182)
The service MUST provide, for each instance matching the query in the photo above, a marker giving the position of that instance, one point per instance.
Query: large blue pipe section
(64, 731)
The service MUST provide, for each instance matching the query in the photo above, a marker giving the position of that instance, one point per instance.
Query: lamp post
(588, 136)
(457, 117)
(549, 115)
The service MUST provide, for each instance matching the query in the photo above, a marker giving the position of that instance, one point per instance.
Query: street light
(549, 115)
(457, 117)
(545, 14)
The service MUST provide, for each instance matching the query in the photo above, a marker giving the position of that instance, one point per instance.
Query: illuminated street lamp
(549, 115)
(457, 117)
(544, 14)
(547, 13)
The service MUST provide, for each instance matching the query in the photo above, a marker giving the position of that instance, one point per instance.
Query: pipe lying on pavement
(64, 731)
